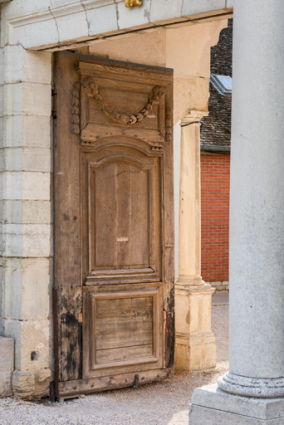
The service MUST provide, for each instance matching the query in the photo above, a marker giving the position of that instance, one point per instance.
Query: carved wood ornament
(75, 117)
(156, 106)
(130, 3)
(168, 125)
(92, 89)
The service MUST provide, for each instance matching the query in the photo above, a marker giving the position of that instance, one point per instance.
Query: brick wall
(215, 193)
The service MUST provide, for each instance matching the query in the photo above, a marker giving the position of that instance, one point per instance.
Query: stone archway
(27, 137)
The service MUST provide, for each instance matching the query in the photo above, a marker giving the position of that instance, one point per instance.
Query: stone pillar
(195, 343)
(26, 216)
(253, 390)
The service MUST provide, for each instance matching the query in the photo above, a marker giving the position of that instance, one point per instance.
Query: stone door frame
(26, 130)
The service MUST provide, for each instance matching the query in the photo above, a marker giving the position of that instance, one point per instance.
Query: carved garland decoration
(75, 125)
(126, 119)
(168, 125)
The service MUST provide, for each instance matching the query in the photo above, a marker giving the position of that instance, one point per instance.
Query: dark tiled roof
(217, 126)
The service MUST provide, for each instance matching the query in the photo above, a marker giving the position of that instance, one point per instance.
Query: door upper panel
(122, 216)
(119, 215)
(121, 103)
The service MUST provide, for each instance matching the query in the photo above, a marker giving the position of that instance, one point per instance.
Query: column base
(195, 352)
(212, 406)
(195, 343)
(251, 387)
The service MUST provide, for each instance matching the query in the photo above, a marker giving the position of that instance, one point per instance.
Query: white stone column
(195, 343)
(253, 391)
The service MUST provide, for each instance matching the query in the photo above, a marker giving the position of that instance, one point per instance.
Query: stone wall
(220, 286)
(26, 215)
(63, 23)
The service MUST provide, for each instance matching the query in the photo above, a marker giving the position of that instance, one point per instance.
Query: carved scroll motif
(130, 3)
(75, 117)
(168, 125)
(92, 88)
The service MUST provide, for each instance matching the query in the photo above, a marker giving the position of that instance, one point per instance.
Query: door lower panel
(122, 329)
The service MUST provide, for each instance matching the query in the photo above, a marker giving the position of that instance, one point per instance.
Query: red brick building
(215, 194)
(215, 172)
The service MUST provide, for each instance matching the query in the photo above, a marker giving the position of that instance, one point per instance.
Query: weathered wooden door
(114, 241)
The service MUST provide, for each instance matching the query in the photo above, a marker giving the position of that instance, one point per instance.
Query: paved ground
(163, 403)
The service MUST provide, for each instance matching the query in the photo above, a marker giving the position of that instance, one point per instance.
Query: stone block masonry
(220, 286)
(25, 214)
(215, 200)
(53, 23)
(6, 365)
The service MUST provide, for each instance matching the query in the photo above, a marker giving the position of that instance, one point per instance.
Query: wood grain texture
(123, 380)
(119, 317)
(114, 240)
(121, 212)
(121, 221)
(67, 227)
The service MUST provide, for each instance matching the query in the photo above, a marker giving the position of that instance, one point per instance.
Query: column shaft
(253, 390)
(257, 195)
(195, 343)
(189, 217)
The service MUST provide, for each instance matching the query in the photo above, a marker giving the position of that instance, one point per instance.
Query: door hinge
(54, 103)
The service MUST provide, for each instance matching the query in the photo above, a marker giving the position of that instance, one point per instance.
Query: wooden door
(114, 239)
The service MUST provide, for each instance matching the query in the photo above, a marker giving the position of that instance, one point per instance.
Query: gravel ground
(164, 403)
(220, 324)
